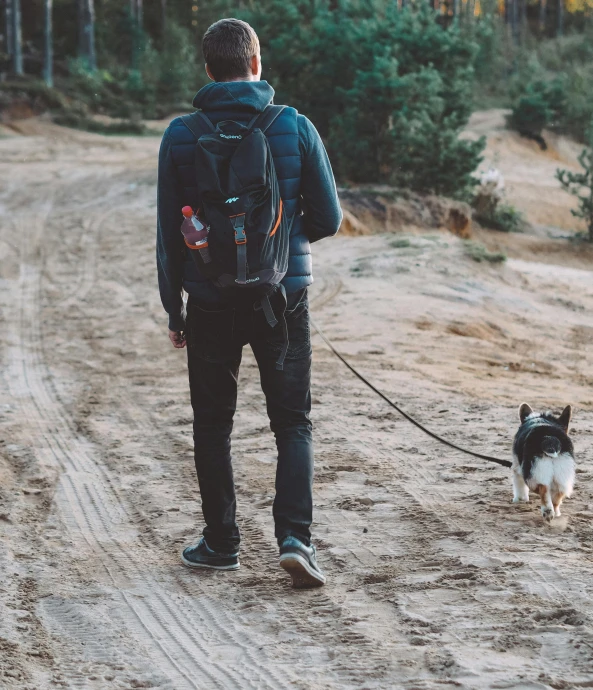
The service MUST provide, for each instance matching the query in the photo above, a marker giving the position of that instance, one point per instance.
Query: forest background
(389, 85)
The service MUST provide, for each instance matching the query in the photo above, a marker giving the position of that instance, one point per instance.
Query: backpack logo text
(231, 136)
(230, 201)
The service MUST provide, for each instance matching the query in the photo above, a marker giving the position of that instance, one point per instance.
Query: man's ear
(209, 73)
(524, 412)
(565, 417)
(256, 66)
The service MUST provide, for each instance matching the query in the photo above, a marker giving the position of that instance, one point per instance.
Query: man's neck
(251, 78)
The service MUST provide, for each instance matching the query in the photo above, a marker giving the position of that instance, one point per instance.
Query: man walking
(216, 327)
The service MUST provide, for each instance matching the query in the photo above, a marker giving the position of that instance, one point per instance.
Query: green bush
(503, 217)
(541, 105)
(400, 243)
(478, 252)
(563, 104)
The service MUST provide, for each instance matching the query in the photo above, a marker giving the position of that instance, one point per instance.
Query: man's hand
(177, 338)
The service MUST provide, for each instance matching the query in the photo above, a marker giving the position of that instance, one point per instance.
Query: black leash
(504, 463)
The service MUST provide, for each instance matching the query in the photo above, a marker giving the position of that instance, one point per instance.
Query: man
(216, 328)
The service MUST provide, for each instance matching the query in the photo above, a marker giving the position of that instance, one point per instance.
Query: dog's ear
(524, 412)
(565, 417)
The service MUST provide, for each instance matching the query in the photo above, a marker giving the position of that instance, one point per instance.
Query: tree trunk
(515, 20)
(86, 33)
(590, 181)
(137, 13)
(543, 15)
(164, 18)
(137, 17)
(17, 45)
(8, 27)
(456, 6)
(591, 214)
(48, 44)
(523, 26)
(560, 17)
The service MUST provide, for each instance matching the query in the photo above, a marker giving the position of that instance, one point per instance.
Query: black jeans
(215, 338)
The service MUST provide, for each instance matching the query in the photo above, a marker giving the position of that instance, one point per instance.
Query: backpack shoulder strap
(191, 122)
(266, 118)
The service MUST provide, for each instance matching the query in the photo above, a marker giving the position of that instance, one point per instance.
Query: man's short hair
(229, 46)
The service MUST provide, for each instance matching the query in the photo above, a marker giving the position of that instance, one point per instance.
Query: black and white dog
(543, 459)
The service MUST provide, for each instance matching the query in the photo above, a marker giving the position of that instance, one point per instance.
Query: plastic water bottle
(195, 233)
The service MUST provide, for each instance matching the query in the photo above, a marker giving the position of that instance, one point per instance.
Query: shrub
(540, 106)
(479, 253)
(503, 217)
(490, 209)
(400, 243)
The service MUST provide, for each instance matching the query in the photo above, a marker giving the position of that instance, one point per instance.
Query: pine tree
(581, 185)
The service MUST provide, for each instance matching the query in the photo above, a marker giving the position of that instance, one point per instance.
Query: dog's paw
(521, 499)
(548, 514)
(557, 512)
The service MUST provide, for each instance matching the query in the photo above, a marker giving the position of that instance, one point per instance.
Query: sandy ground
(434, 579)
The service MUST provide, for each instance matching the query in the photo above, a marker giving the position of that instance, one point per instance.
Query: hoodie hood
(244, 96)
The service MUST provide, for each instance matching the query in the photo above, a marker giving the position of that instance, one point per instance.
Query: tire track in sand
(95, 513)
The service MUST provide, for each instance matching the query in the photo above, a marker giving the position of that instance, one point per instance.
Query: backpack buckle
(239, 225)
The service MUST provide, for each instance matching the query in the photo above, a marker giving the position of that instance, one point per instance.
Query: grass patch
(479, 253)
(400, 243)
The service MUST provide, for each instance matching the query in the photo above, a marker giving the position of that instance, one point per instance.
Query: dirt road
(435, 579)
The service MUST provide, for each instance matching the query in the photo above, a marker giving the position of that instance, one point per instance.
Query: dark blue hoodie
(305, 178)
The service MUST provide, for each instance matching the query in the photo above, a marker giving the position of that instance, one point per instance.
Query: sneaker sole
(189, 564)
(302, 574)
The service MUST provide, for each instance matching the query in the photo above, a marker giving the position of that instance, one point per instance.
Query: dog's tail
(551, 446)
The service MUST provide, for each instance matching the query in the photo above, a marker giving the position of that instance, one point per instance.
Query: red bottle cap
(187, 211)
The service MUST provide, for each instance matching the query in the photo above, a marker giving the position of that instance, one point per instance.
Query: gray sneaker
(200, 555)
(299, 562)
